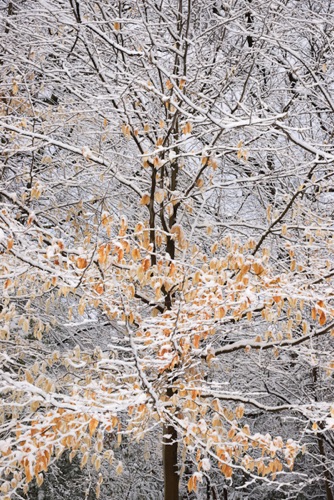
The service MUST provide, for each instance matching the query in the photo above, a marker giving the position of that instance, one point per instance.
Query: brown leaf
(81, 263)
(322, 318)
(145, 199)
(93, 423)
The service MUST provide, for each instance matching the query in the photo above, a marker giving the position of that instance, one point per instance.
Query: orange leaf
(145, 199)
(135, 254)
(27, 471)
(322, 318)
(146, 263)
(156, 161)
(7, 283)
(126, 130)
(120, 254)
(10, 243)
(169, 85)
(227, 471)
(257, 268)
(220, 312)
(182, 83)
(81, 263)
(194, 394)
(192, 484)
(196, 340)
(102, 254)
(99, 288)
(187, 128)
(93, 423)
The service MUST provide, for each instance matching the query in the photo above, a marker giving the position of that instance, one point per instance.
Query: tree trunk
(327, 475)
(169, 454)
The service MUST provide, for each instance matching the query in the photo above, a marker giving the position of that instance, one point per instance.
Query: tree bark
(327, 475)
(169, 456)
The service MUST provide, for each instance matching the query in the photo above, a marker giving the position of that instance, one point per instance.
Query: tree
(166, 239)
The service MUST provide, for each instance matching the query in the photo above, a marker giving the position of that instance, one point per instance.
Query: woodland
(166, 249)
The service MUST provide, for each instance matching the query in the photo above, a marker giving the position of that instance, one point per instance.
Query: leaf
(194, 394)
(322, 318)
(106, 219)
(28, 472)
(15, 87)
(156, 161)
(187, 128)
(98, 491)
(192, 484)
(145, 162)
(97, 463)
(126, 130)
(214, 247)
(81, 263)
(119, 468)
(10, 243)
(28, 376)
(102, 254)
(220, 312)
(182, 83)
(7, 283)
(159, 195)
(169, 85)
(99, 288)
(39, 479)
(269, 207)
(146, 263)
(284, 230)
(145, 199)
(227, 471)
(239, 411)
(257, 268)
(93, 423)
(135, 254)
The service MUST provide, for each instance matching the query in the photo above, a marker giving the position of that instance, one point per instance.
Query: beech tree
(166, 233)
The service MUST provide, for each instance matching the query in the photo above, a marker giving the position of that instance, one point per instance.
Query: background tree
(166, 238)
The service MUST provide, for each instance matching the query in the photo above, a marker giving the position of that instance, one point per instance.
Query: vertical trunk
(9, 13)
(169, 453)
(327, 475)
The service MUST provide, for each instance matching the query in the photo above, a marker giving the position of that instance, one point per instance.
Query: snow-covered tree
(166, 235)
